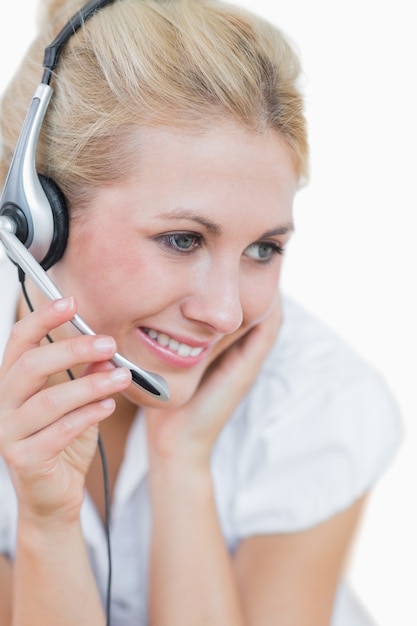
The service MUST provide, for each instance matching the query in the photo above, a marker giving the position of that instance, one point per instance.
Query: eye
(181, 242)
(263, 251)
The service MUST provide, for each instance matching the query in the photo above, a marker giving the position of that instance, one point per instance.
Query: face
(183, 257)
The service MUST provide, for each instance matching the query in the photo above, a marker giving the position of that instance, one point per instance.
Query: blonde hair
(137, 63)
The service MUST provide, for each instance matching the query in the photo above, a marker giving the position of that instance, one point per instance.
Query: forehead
(222, 153)
(222, 173)
(221, 138)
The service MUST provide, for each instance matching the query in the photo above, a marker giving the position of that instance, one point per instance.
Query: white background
(353, 258)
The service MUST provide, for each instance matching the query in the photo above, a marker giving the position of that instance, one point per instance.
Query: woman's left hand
(190, 431)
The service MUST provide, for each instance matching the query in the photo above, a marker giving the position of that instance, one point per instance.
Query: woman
(176, 133)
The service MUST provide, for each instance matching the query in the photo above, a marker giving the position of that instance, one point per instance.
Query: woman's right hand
(48, 434)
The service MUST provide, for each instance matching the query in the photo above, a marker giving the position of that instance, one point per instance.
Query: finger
(45, 445)
(28, 332)
(34, 367)
(54, 403)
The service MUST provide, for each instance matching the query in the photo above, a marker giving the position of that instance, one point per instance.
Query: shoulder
(308, 352)
(317, 430)
(311, 370)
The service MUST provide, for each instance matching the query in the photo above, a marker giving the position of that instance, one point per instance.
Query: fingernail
(120, 375)
(107, 403)
(64, 304)
(104, 344)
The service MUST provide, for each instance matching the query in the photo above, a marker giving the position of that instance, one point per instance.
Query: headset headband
(53, 51)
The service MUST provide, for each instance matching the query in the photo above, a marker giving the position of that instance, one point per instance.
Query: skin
(188, 245)
(210, 296)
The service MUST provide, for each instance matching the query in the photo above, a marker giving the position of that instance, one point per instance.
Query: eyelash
(275, 249)
(168, 241)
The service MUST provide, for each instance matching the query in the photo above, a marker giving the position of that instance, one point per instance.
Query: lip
(173, 358)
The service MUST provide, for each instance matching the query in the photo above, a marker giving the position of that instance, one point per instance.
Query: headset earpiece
(59, 210)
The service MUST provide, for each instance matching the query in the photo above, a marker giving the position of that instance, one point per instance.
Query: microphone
(151, 383)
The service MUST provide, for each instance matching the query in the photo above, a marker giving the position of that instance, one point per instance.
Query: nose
(215, 299)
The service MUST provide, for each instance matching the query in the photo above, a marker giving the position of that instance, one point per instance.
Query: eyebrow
(215, 228)
(285, 229)
(185, 214)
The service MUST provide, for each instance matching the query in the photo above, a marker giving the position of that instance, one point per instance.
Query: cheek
(108, 271)
(258, 295)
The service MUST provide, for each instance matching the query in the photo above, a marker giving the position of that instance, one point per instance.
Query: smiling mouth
(182, 349)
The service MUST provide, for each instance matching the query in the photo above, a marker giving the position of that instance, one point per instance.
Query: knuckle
(66, 426)
(16, 458)
(15, 334)
(74, 346)
(27, 363)
(79, 348)
(49, 400)
(97, 384)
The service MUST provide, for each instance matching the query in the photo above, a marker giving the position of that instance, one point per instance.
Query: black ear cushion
(61, 221)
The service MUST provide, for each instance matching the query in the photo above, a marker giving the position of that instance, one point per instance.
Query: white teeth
(182, 349)
(163, 339)
(173, 344)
